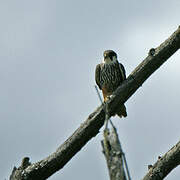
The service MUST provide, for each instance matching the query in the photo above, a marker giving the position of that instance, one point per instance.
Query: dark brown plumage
(109, 75)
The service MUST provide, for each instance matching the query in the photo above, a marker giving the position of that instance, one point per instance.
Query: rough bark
(165, 164)
(90, 128)
(114, 155)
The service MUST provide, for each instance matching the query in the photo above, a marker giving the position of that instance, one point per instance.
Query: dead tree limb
(165, 164)
(113, 154)
(45, 168)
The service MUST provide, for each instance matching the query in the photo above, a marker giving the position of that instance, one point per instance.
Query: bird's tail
(121, 112)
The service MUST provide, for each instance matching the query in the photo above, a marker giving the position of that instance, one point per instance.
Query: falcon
(109, 75)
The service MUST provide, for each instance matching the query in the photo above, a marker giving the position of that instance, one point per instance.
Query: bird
(108, 76)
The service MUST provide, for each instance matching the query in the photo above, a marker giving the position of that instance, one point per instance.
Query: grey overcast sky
(48, 53)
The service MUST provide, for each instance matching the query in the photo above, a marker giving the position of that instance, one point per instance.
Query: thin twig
(114, 129)
(105, 108)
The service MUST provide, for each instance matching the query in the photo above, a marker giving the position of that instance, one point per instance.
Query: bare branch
(90, 128)
(165, 164)
(114, 155)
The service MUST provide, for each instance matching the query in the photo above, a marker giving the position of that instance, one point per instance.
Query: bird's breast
(110, 77)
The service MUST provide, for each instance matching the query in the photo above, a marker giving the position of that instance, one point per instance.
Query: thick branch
(90, 128)
(113, 154)
(165, 164)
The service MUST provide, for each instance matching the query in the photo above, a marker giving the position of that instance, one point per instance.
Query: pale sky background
(48, 53)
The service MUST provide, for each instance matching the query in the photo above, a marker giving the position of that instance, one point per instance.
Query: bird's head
(109, 56)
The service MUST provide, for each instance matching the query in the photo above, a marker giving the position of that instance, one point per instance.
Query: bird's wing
(123, 72)
(97, 75)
